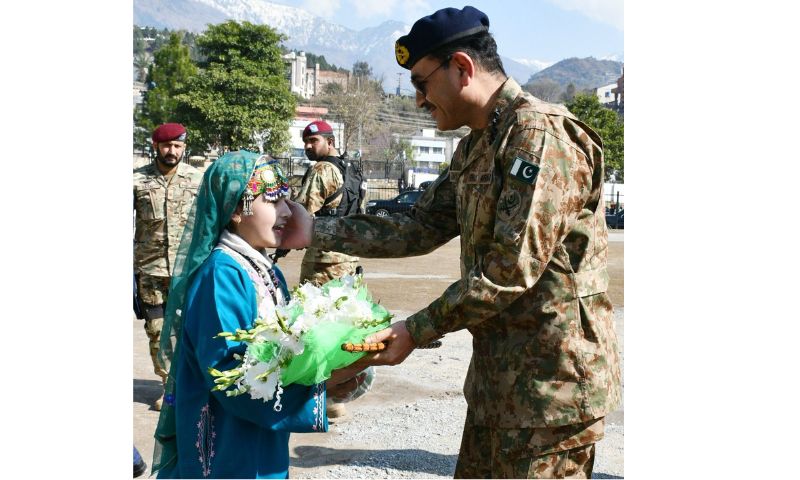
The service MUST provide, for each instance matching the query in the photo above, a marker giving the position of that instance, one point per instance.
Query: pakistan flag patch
(524, 171)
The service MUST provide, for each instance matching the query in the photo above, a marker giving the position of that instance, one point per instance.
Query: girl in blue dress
(224, 281)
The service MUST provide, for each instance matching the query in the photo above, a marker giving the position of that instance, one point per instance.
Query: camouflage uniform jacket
(533, 265)
(162, 207)
(323, 180)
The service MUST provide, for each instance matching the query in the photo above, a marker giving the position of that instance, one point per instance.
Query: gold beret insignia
(401, 53)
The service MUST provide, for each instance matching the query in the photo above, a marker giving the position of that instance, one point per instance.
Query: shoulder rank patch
(508, 205)
(524, 171)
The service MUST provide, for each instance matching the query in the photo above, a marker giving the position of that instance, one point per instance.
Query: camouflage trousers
(558, 452)
(319, 273)
(154, 288)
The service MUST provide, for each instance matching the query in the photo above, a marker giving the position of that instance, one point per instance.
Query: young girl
(224, 281)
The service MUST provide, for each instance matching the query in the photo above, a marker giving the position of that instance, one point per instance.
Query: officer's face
(316, 147)
(169, 153)
(264, 228)
(436, 92)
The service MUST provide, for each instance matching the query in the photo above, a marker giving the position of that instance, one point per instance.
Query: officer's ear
(466, 67)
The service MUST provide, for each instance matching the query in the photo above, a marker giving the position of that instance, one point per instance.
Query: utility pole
(399, 76)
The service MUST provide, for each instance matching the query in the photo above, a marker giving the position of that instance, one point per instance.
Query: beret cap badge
(401, 53)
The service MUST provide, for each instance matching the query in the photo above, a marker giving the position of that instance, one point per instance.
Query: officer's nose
(419, 99)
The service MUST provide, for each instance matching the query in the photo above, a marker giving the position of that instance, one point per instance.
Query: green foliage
(171, 71)
(240, 98)
(608, 125)
(362, 69)
(569, 93)
(312, 59)
(394, 153)
(332, 88)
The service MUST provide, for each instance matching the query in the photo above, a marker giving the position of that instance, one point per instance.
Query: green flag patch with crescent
(524, 171)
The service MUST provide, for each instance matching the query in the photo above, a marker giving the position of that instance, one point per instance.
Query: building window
(438, 150)
(608, 94)
(424, 149)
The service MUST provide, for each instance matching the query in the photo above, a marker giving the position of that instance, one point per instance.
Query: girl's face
(264, 228)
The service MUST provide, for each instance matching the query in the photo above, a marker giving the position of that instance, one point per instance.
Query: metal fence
(614, 202)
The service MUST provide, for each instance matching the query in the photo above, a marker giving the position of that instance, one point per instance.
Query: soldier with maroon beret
(321, 182)
(163, 194)
(524, 194)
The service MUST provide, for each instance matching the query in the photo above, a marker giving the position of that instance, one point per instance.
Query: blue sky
(543, 30)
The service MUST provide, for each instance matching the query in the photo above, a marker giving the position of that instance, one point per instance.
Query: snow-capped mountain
(306, 31)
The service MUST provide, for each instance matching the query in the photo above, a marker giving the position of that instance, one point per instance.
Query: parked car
(400, 203)
(616, 220)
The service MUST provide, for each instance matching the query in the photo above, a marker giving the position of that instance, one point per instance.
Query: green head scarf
(223, 186)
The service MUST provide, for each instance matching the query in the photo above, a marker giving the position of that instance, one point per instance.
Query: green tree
(608, 125)
(240, 98)
(569, 93)
(362, 69)
(169, 76)
(141, 65)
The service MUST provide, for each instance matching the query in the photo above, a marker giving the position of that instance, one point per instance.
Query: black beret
(433, 31)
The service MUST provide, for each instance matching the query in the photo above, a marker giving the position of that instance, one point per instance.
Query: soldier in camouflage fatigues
(524, 192)
(163, 194)
(321, 182)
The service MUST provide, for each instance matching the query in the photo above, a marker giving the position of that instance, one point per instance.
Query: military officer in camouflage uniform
(524, 192)
(321, 182)
(163, 193)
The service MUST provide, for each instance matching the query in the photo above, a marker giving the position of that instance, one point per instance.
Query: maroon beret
(168, 132)
(319, 127)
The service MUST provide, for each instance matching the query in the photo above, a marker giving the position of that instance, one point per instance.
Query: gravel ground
(409, 425)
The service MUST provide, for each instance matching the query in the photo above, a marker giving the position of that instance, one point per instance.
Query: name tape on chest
(524, 171)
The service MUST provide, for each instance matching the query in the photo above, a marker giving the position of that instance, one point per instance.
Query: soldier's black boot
(139, 466)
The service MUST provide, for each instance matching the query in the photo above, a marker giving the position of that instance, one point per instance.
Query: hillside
(584, 73)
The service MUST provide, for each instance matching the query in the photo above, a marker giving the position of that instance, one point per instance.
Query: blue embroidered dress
(231, 437)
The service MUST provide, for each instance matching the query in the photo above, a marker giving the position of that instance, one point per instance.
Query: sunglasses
(420, 84)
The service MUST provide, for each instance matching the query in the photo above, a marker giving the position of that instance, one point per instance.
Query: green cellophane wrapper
(323, 352)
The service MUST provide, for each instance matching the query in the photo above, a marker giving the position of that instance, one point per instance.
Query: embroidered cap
(433, 31)
(267, 179)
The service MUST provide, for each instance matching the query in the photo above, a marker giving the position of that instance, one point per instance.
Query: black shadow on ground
(409, 460)
(146, 391)
(603, 475)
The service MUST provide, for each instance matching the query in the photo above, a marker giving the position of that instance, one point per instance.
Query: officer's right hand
(399, 342)
(299, 228)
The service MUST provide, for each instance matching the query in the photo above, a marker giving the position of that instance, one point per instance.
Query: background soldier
(316, 194)
(524, 192)
(163, 194)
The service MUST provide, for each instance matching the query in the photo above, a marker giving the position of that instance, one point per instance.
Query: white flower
(354, 312)
(259, 388)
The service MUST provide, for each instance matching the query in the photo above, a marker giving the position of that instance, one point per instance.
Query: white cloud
(607, 11)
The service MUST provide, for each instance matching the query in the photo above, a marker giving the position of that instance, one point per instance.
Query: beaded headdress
(269, 180)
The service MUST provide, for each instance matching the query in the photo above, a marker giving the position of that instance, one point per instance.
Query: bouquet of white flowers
(302, 342)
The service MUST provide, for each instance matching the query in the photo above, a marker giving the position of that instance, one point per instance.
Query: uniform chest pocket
(472, 194)
(149, 204)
